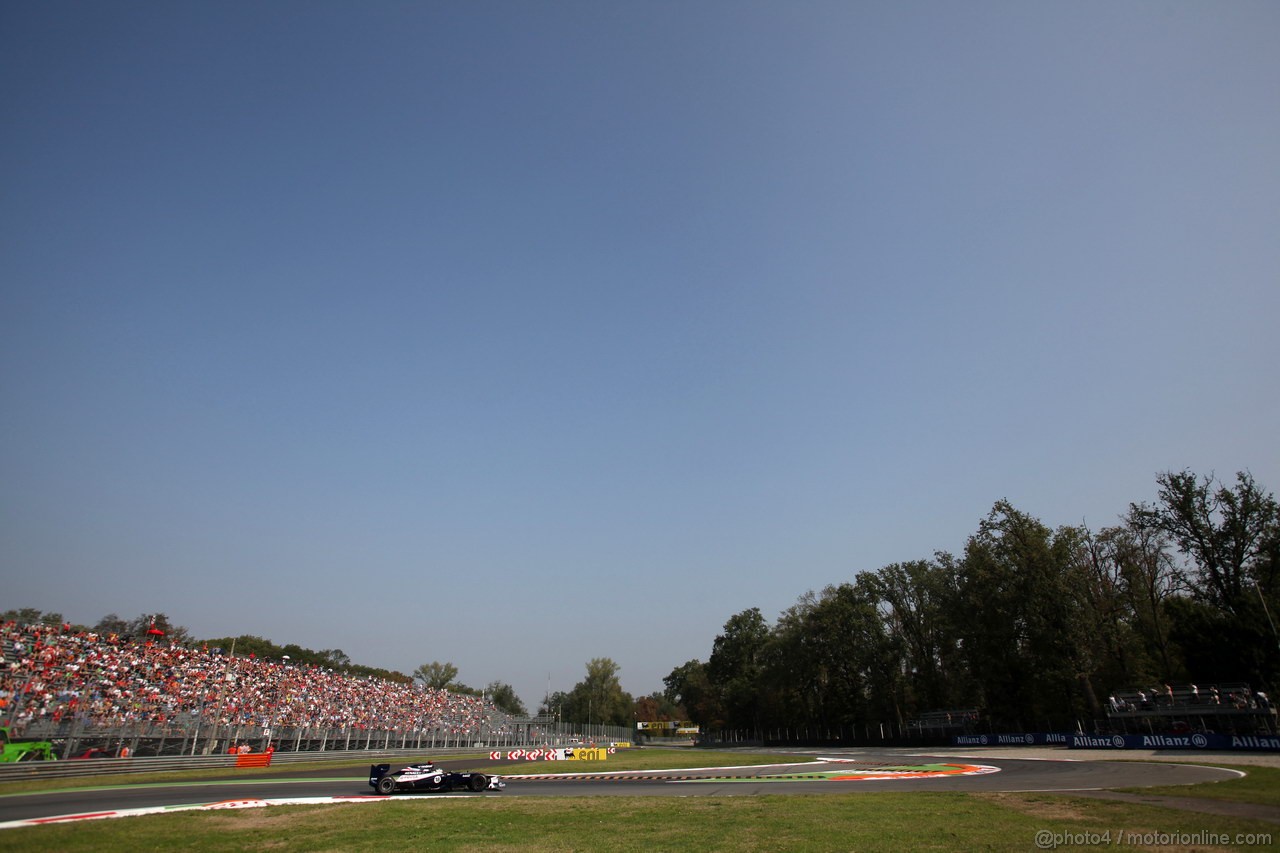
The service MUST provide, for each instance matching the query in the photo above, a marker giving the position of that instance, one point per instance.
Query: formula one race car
(428, 777)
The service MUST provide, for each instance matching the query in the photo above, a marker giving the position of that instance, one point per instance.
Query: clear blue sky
(516, 334)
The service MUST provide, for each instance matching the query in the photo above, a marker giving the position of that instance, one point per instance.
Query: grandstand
(1230, 707)
(945, 722)
(82, 689)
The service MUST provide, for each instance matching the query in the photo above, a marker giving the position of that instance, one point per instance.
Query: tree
(599, 698)
(688, 686)
(505, 698)
(1229, 534)
(857, 657)
(335, 658)
(657, 707)
(794, 671)
(31, 616)
(553, 705)
(917, 595)
(1135, 566)
(139, 627)
(736, 664)
(112, 624)
(1022, 622)
(436, 675)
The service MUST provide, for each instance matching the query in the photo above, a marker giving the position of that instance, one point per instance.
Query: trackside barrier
(1217, 742)
(1018, 739)
(575, 753)
(1075, 740)
(26, 770)
(254, 759)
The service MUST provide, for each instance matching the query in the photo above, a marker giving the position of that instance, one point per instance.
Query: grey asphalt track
(1063, 773)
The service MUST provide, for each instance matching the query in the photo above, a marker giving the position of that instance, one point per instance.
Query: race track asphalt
(1063, 773)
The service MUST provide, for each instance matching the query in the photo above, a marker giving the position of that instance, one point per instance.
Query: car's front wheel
(478, 782)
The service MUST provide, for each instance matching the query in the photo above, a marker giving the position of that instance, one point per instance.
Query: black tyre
(386, 785)
(478, 782)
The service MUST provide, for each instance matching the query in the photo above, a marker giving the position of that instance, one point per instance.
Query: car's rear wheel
(478, 782)
(386, 785)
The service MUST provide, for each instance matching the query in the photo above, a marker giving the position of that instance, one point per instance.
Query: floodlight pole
(1267, 611)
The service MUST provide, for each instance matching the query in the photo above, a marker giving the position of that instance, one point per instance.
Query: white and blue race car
(428, 777)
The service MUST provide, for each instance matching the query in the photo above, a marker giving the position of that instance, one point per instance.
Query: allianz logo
(971, 740)
(1197, 740)
(1015, 739)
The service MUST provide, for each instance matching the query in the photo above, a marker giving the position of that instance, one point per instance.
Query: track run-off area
(809, 772)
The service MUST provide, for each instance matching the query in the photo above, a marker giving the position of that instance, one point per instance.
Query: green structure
(24, 749)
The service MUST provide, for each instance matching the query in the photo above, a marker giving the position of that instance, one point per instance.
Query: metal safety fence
(73, 740)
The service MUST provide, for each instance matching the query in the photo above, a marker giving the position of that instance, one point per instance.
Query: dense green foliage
(596, 700)
(1030, 624)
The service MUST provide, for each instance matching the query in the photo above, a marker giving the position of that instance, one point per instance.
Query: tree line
(1032, 625)
(443, 676)
(598, 699)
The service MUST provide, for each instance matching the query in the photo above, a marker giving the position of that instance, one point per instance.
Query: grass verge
(842, 820)
(845, 821)
(1260, 786)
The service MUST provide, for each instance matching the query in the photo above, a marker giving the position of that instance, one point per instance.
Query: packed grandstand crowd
(60, 675)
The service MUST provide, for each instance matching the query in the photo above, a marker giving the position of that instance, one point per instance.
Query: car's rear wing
(377, 771)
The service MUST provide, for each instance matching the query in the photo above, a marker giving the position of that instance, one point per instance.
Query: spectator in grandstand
(98, 681)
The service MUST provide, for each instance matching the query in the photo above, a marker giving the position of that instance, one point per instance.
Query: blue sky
(572, 329)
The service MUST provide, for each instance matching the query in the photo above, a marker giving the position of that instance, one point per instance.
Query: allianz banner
(1270, 743)
(1021, 739)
